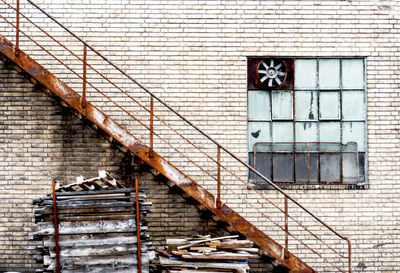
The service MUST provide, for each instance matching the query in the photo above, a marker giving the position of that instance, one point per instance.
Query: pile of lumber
(96, 227)
(206, 254)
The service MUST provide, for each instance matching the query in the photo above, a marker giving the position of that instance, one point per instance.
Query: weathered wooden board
(218, 256)
(197, 242)
(240, 268)
(104, 226)
(235, 244)
(97, 228)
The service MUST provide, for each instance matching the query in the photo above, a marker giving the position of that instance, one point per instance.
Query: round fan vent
(271, 73)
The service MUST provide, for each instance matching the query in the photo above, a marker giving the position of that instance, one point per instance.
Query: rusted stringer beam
(156, 161)
(56, 226)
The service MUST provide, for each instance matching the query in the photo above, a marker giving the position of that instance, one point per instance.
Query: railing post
(17, 32)
(349, 243)
(219, 204)
(151, 124)
(56, 226)
(286, 229)
(139, 250)
(84, 76)
(308, 162)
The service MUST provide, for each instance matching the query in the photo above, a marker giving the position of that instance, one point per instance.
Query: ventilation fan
(271, 73)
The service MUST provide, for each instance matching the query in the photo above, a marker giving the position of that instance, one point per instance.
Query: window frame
(317, 120)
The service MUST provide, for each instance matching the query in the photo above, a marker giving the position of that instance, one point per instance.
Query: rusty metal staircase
(337, 259)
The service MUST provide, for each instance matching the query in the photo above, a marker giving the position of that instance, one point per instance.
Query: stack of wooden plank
(206, 254)
(96, 227)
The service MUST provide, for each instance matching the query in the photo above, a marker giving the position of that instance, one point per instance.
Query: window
(312, 129)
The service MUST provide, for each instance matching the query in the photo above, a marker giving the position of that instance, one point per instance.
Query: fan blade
(278, 66)
(278, 80)
(270, 82)
(264, 78)
(280, 73)
(272, 63)
(262, 71)
(265, 65)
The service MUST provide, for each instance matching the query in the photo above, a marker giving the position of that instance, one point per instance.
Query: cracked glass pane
(354, 132)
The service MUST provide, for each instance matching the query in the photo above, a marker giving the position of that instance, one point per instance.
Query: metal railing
(344, 258)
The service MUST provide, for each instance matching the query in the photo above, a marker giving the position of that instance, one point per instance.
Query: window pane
(306, 132)
(258, 132)
(263, 165)
(258, 103)
(353, 105)
(329, 131)
(306, 105)
(283, 167)
(350, 167)
(329, 105)
(361, 169)
(282, 132)
(353, 73)
(304, 165)
(329, 70)
(354, 132)
(282, 105)
(305, 73)
(330, 171)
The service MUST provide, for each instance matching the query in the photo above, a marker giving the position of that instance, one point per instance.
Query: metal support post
(56, 226)
(84, 76)
(219, 204)
(139, 254)
(17, 31)
(151, 124)
(286, 229)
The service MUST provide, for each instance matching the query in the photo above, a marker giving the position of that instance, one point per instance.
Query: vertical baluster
(151, 124)
(219, 204)
(84, 76)
(17, 32)
(286, 229)
(349, 246)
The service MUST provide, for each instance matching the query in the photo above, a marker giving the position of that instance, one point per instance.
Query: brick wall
(193, 55)
(41, 140)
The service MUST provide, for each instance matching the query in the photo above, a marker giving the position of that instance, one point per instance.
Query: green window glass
(315, 133)
(282, 105)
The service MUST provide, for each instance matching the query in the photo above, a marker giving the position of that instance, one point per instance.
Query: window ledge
(298, 186)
